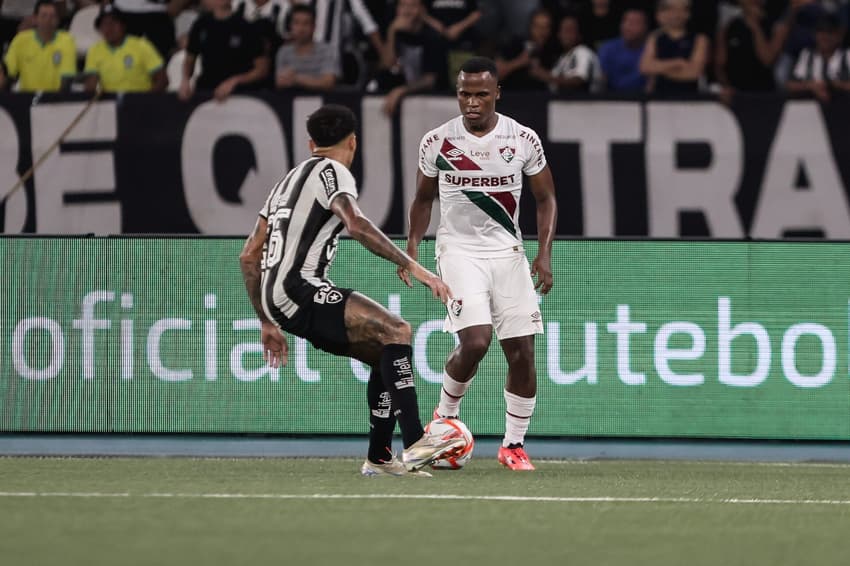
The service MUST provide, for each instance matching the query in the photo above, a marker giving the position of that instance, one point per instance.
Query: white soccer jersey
(480, 181)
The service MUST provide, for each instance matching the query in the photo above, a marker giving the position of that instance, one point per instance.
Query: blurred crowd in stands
(398, 47)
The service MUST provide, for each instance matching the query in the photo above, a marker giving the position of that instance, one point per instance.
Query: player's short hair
(480, 65)
(331, 124)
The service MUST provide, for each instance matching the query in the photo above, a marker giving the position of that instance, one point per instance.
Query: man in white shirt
(476, 162)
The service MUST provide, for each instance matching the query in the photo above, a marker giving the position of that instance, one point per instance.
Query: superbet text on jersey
(480, 181)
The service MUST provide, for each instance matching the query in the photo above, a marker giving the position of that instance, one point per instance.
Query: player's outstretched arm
(419, 217)
(275, 348)
(364, 231)
(543, 189)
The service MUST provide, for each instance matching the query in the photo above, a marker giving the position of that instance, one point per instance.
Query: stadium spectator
(825, 68)
(506, 18)
(674, 59)
(268, 17)
(232, 53)
(525, 63)
(578, 68)
(334, 25)
(304, 63)
(620, 58)
(153, 19)
(747, 48)
(455, 20)
(418, 54)
(121, 62)
(599, 21)
(802, 19)
(43, 58)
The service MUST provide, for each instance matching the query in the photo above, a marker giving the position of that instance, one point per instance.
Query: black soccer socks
(381, 419)
(397, 373)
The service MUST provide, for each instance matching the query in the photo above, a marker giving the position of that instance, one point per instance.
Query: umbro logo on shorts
(535, 316)
(456, 306)
(327, 296)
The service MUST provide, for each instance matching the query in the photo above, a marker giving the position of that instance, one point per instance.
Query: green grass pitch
(181, 511)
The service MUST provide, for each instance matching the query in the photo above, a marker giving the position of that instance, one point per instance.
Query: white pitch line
(717, 462)
(440, 497)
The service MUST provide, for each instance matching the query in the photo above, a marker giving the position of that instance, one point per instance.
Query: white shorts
(495, 291)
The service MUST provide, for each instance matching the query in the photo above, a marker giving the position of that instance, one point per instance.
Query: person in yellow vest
(121, 62)
(44, 58)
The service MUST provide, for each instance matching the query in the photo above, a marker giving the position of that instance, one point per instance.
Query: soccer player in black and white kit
(285, 264)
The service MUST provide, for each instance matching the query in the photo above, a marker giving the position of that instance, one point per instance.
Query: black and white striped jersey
(812, 66)
(301, 237)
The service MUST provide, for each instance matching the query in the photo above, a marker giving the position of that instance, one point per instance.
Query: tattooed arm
(275, 348)
(249, 261)
(364, 231)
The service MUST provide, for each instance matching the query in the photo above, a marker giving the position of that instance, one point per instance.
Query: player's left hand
(275, 348)
(542, 269)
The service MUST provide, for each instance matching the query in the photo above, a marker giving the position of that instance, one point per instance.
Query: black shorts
(321, 320)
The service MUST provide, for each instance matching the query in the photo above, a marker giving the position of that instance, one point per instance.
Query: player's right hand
(275, 348)
(404, 273)
(439, 289)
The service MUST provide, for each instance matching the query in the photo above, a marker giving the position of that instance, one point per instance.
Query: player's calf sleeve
(451, 395)
(518, 411)
(397, 372)
(381, 419)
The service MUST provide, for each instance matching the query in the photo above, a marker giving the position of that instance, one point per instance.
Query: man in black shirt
(525, 63)
(455, 20)
(418, 53)
(747, 49)
(232, 53)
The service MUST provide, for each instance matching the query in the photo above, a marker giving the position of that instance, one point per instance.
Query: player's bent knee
(397, 331)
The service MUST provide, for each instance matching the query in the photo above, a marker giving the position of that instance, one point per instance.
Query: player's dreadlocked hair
(331, 124)
(479, 65)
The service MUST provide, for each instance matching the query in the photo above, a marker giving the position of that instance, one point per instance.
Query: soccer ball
(449, 428)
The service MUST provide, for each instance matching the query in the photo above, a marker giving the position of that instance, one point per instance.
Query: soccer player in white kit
(477, 162)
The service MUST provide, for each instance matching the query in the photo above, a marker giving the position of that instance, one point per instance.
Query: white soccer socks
(518, 413)
(451, 395)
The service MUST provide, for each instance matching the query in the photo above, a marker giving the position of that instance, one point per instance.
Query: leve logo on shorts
(456, 306)
(327, 296)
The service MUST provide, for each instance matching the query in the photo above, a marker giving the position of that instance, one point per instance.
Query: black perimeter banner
(766, 167)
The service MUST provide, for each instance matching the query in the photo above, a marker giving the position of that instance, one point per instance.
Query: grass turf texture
(257, 511)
